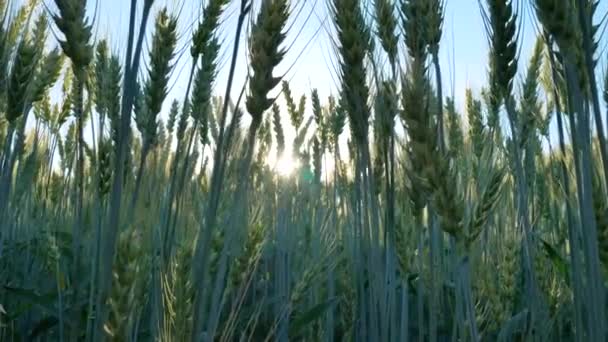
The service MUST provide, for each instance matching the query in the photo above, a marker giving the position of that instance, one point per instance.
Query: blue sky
(463, 52)
(311, 61)
(311, 57)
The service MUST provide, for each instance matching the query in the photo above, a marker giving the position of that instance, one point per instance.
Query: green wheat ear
(337, 120)
(18, 24)
(476, 125)
(434, 17)
(203, 84)
(295, 115)
(265, 51)
(321, 120)
(278, 129)
(101, 70)
(72, 22)
(173, 112)
(559, 20)
(355, 40)
(387, 108)
(455, 135)
(47, 74)
(386, 25)
(316, 159)
(530, 108)
(22, 74)
(489, 199)
(156, 87)
(112, 98)
(503, 60)
(413, 22)
(205, 31)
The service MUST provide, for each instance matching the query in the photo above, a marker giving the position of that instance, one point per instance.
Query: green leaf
(45, 301)
(412, 278)
(516, 324)
(558, 261)
(302, 321)
(42, 326)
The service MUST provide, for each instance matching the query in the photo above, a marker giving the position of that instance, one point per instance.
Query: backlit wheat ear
(156, 87)
(278, 129)
(205, 31)
(47, 74)
(489, 198)
(203, 130)
(182, 123)
(39, 33)
(302, 106)
(266, 53)
(430, 174)
(316, 159)
(354, 38)
(559, 20)
(295, 115)
(445, 197)
(212, 120)
(337, 120)
(387, 104)
(416, 124)
(112, 95)
(205, 45)
(317, 111)
(105, 167)
(530, 108)
(415, 107)
(73, 24)
(140, 109)
(22, 73)
(476, 125)
(204, 82)
(101, 78)
(413, 17)
(491, 100)
(503, 49)
(173, 112)
(455, 135)
(320, 119)
(251, 253)
(385, 108)
(298, 141)
(386, 26)
(434, 17)
(18, 24)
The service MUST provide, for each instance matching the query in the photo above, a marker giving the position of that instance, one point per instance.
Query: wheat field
(394, 212)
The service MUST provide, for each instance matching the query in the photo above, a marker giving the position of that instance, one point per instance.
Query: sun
(285, 165)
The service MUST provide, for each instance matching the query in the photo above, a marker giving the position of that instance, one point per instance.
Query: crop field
(169, 181)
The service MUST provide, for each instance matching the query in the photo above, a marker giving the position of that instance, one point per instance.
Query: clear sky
(463, 52)
(310, 61)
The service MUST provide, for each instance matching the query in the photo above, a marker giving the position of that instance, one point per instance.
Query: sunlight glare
(285, 165)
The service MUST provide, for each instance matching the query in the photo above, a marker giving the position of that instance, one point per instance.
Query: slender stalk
(109, 243)
(582, 145)
(573, 227)
(590, 69)
(204, 238)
